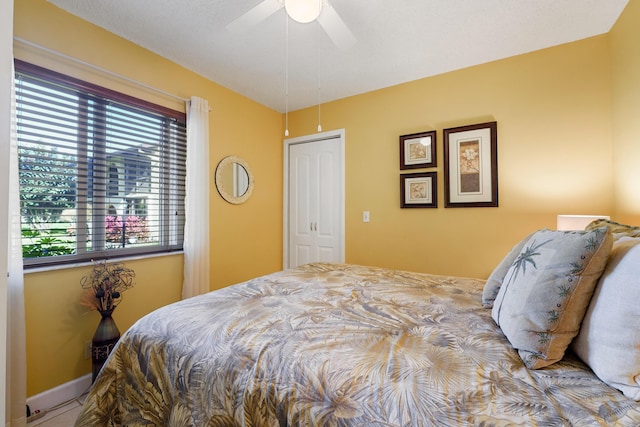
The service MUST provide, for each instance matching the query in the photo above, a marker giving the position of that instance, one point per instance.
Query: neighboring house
(130, 182)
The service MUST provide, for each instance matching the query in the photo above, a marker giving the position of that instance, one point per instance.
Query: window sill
(88, 263)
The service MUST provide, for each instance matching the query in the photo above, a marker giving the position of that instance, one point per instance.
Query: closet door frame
(318, 137)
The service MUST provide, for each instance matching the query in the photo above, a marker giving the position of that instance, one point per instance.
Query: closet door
(315, 211)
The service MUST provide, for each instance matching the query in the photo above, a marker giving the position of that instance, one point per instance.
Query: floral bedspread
(339, 345)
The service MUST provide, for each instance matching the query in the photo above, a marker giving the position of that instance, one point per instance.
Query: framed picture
(471, 166)
(418, 150)
(419, 190)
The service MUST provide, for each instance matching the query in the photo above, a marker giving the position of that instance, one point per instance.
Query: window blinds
(102, 174)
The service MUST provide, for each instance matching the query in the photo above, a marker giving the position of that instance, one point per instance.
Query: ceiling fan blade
(335, 27)
(255, 15)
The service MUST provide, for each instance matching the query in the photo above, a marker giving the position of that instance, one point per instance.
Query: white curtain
(196, 230)
(16, 342)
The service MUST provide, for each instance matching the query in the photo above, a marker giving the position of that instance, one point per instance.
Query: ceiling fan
(303, 11)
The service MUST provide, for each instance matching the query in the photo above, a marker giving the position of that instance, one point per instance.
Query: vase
(103, 341)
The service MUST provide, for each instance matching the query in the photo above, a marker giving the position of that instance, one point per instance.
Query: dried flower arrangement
(105, 285)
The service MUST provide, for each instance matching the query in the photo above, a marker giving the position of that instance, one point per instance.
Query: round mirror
(234, 180)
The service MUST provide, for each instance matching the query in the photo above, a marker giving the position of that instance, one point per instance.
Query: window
(102, 174)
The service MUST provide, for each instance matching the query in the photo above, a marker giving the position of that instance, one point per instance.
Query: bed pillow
(493, 283)
(609, 339)
(546, 291)
(618, 230)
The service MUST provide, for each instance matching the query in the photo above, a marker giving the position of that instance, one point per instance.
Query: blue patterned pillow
(547, 289)
(494, 282)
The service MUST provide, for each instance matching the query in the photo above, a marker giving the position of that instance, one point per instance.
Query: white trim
(6, 58)
(61, 394)
(340, 134)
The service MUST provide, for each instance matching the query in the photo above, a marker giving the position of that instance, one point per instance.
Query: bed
(342, 345)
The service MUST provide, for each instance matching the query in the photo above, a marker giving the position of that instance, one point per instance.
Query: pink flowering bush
(135, 227)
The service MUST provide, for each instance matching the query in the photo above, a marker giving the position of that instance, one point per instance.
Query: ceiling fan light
(303, 11)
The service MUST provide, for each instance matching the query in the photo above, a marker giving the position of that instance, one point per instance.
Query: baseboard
(60, 394)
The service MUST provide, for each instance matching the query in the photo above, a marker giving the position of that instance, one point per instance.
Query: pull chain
(318, 71)
(286, 76)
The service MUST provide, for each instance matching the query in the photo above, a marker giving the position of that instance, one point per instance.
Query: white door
(314, 201)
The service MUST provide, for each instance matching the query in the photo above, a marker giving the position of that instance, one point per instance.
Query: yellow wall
(57, 326)
(553, 109)
(625, 60)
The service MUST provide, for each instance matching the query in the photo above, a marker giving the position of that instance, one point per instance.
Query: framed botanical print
(418, 150)
(471, 166)
(419, 190)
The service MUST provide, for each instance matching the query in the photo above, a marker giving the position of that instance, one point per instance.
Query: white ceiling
(397, 40)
